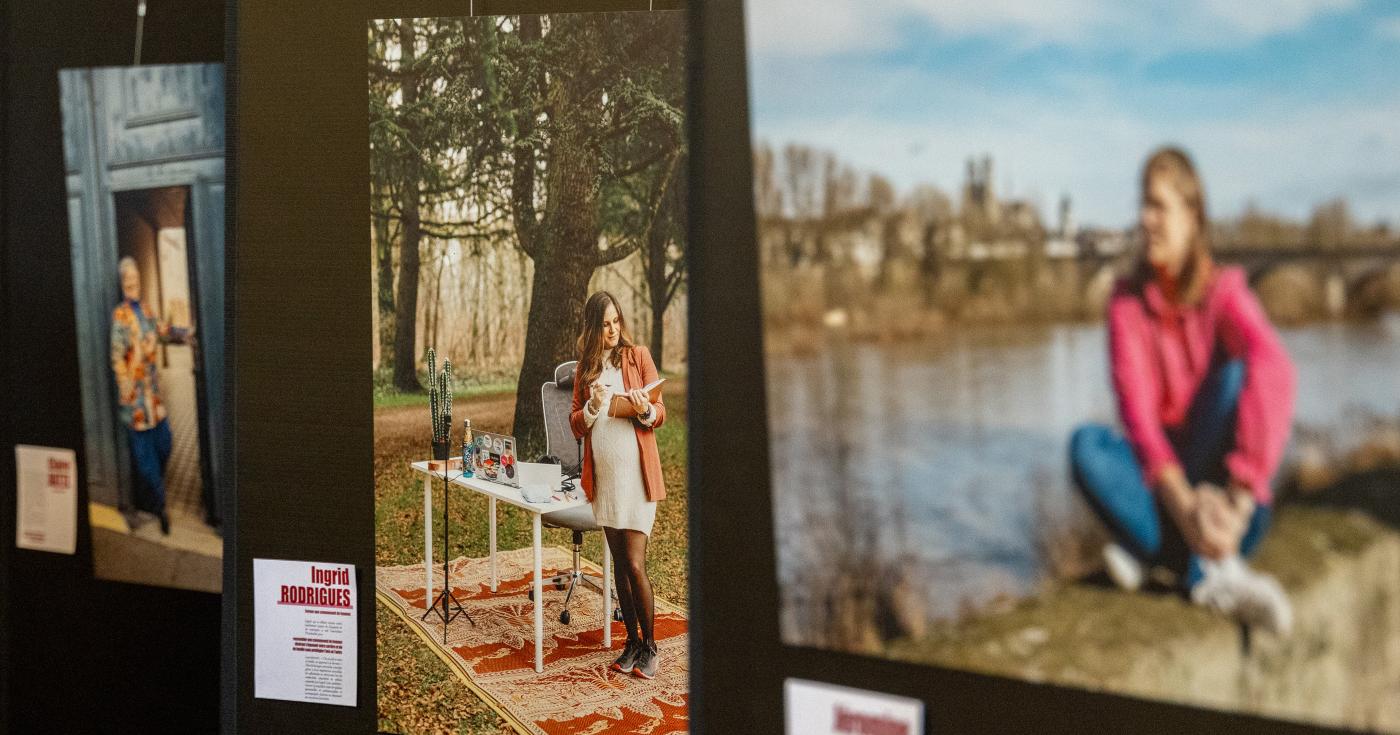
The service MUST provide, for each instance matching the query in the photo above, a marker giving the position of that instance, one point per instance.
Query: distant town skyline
(1285, 104)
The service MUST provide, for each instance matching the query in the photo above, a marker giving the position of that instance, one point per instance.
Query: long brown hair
(590, 341)
(1196, 273)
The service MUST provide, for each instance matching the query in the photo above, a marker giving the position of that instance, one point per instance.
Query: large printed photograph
(144, 165)
(1081, 343)
(527, 215)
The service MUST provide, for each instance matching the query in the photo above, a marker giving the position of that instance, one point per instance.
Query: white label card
(46, 510)
(304, 631)
(814, 708)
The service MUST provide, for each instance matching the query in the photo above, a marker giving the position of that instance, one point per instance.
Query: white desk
(497, 492)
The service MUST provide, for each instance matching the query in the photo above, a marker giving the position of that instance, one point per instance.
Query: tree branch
(616, 253)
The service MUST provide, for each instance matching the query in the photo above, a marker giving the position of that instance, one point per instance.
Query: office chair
(557, 398)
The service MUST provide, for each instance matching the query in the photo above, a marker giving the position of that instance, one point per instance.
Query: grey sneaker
(1123, 568)
(628, 660)
(647, 661)
(1253, 598)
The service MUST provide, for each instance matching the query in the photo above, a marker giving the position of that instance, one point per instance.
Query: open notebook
(622, 408)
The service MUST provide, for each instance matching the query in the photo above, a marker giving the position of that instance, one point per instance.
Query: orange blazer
(638, 370)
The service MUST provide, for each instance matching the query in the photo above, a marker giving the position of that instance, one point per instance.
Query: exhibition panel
(1079, 340)
(513, 164)
(527, 178)
(78, 648)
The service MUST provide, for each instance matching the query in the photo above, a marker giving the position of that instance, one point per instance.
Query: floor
(183, 481)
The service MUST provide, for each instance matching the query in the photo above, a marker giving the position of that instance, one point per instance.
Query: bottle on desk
(468, 448)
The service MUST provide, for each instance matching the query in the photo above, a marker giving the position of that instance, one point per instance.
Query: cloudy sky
(1285, 103)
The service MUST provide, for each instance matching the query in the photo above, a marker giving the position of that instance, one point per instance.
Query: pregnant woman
(1205, 394)
(621, 464)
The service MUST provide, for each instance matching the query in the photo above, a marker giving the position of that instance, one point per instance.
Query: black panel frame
(301, 401)
(79, 654)
(738, 661)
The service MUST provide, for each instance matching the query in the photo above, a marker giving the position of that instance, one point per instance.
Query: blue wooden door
(131, 129)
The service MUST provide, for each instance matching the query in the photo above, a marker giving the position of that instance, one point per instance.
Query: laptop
(495, 459)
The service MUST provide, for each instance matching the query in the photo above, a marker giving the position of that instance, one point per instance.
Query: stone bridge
(1344, 280)
(1349, 277)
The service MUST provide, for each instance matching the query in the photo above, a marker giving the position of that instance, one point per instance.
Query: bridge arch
(1292, 293)
(1375, 291)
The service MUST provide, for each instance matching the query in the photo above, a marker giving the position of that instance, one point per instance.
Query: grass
(417, 692)
(394, 399)
(387, 396)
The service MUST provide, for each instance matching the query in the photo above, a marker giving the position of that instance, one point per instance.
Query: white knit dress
(619, 495)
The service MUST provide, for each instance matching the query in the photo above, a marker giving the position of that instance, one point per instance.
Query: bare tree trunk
(384, 291)
(556, 310)
(564, 248)
(437, 304)
(406, 315)
(658, 291)
(658, 338)
(930, 265)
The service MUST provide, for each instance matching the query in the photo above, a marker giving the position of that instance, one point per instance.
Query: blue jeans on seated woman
(1109, 476)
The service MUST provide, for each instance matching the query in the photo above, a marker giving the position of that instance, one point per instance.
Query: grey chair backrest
(557, 397)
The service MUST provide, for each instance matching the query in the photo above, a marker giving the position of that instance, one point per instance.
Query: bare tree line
(474, 309)
(839, 246)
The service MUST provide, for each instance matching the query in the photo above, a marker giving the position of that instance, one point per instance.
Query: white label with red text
(46, 509)
(304, 631)
(814, 708)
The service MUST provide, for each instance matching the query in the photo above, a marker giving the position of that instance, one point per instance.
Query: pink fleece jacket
(1161, 353)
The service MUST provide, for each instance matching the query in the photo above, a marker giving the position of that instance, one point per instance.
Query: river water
(949, 452)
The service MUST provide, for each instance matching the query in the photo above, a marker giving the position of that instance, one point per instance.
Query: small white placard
(304, 631)
(814, 708)
(46, 513)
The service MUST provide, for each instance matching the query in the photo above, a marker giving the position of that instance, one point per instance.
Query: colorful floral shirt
(135, 336)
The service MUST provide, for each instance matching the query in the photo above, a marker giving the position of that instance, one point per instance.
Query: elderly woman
(136, 332)
(1205, 392)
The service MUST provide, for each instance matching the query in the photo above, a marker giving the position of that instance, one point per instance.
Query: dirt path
(400, 425)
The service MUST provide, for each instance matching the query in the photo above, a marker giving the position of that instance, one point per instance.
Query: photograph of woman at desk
(621, 464)
(482, 254)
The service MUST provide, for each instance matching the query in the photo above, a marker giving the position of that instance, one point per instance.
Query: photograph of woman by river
(1082, 342)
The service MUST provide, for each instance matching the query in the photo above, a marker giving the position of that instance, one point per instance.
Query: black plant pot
(441, 450)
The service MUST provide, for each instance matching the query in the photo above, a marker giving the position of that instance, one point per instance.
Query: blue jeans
(150, 451)
(1109, 476)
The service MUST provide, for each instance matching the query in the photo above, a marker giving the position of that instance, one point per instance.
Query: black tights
(629, 552)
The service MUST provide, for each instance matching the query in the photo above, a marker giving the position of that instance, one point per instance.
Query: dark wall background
(79, 655)
(7, 412)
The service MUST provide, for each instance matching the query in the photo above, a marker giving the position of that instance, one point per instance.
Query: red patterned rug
(576, 694)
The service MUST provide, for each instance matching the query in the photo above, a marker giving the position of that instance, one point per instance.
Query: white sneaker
(1253, 598)
(1123, 568)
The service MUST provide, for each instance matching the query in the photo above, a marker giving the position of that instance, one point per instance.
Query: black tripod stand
(450, 606)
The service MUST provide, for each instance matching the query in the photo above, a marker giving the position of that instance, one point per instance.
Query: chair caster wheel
(564, 617)
(617, 614)
(559, 584)
(532, 594)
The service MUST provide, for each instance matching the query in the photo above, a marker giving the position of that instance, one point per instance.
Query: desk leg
(492, 527)
(539, 598)
(428, 537)
(607, 595)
